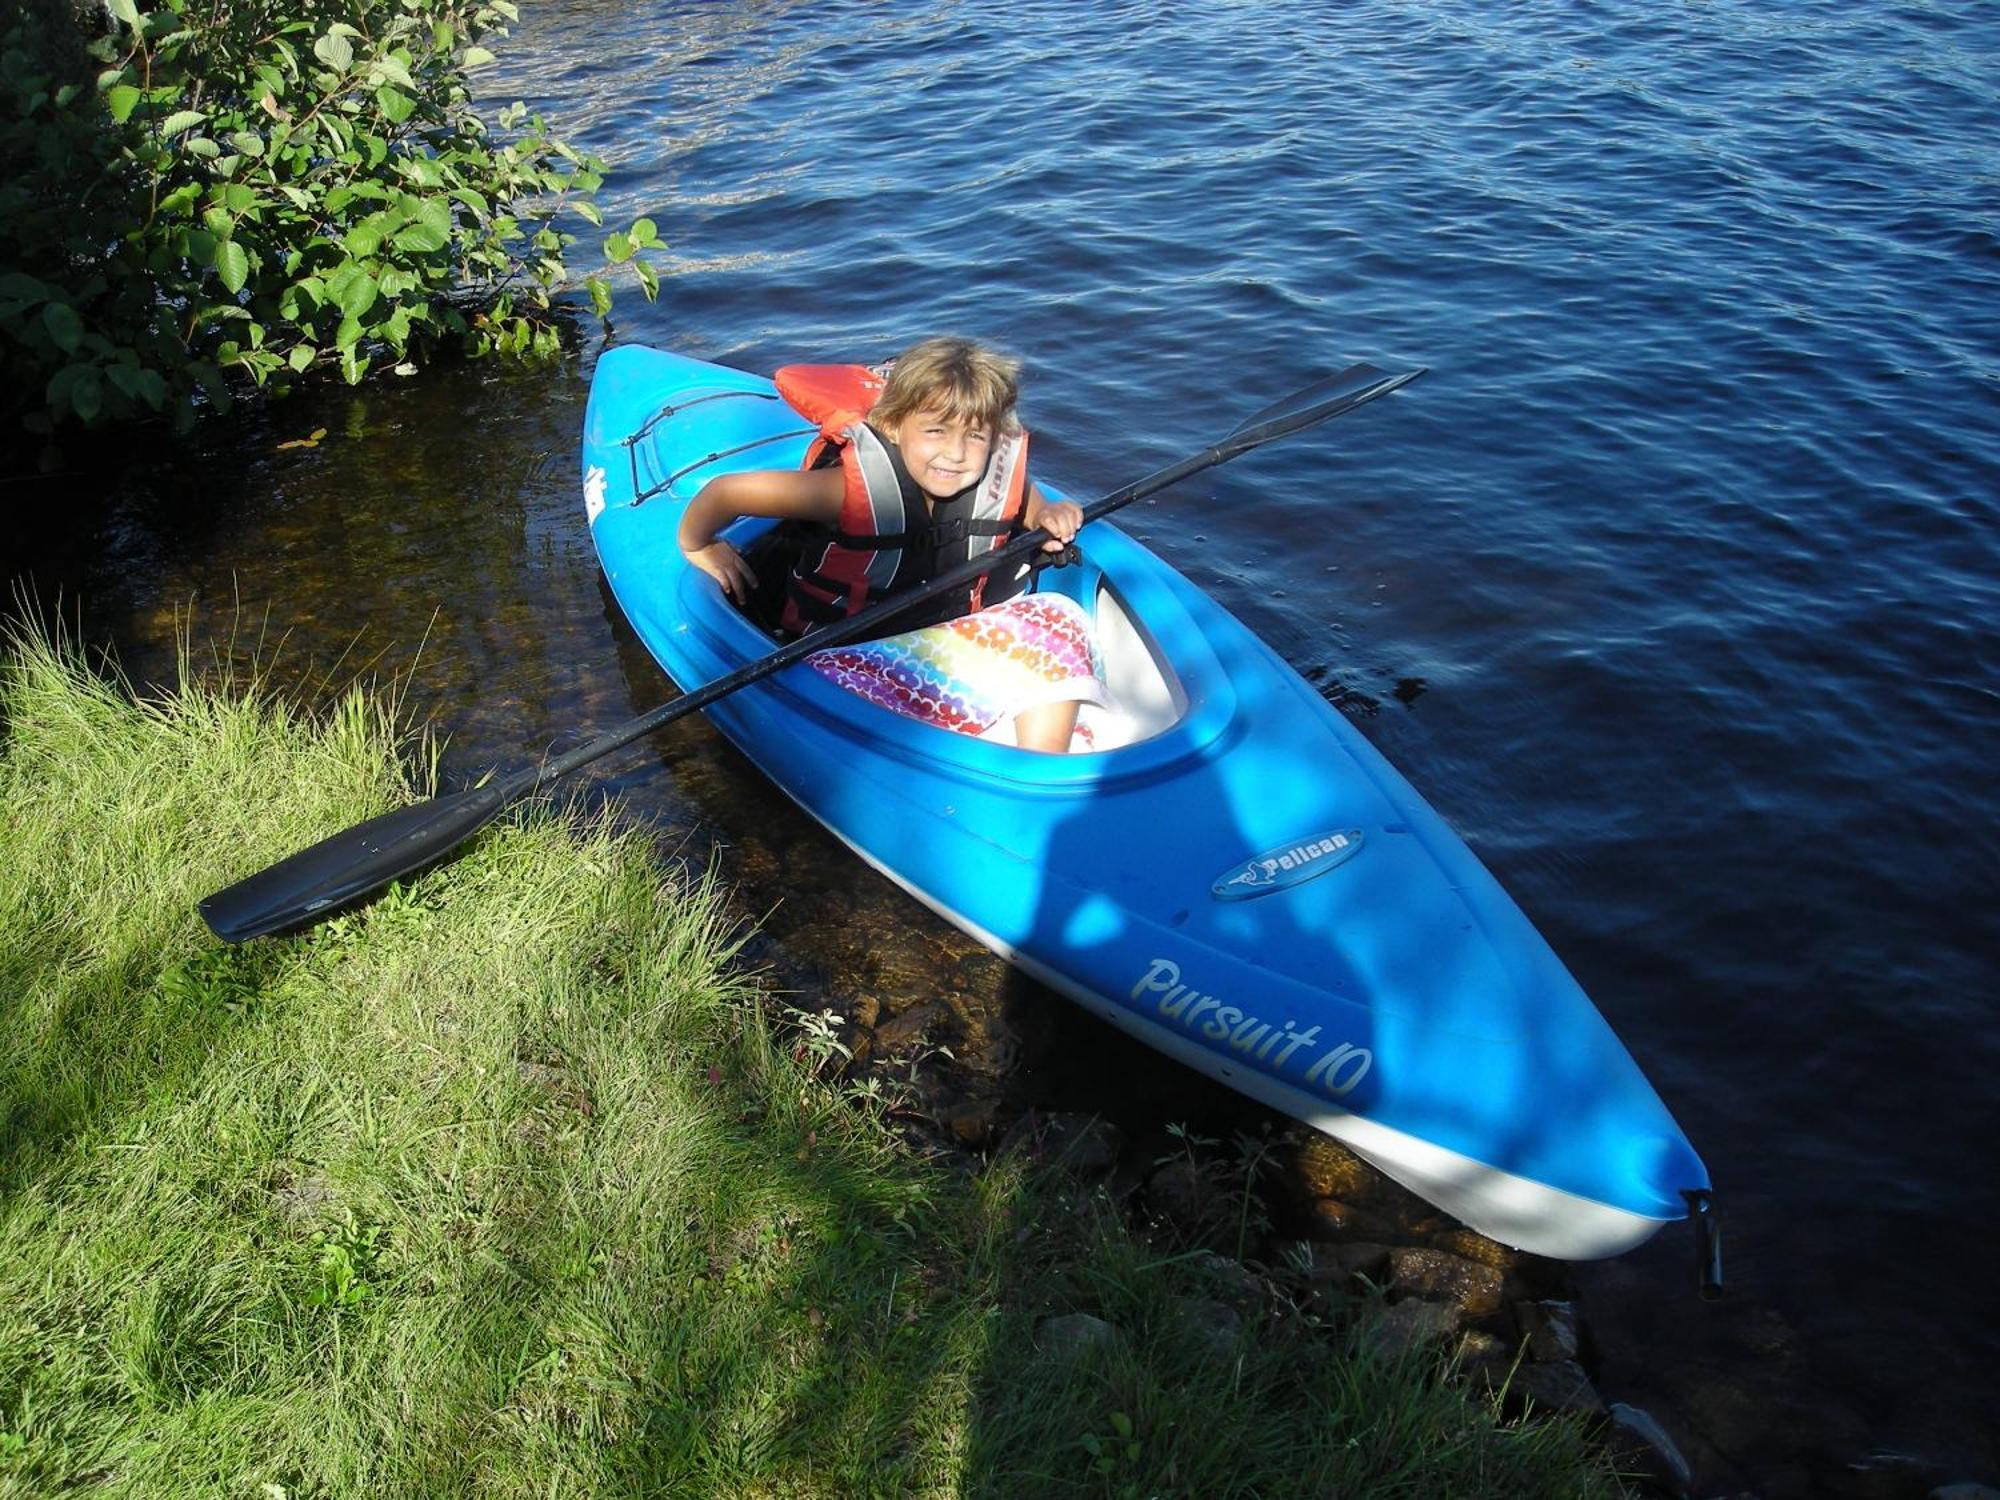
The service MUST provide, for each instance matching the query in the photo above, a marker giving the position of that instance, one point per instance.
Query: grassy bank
(503, 1186)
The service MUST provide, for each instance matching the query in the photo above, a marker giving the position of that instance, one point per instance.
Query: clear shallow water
(1672, 586)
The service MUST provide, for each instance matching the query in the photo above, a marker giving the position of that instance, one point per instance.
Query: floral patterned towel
(978, 671)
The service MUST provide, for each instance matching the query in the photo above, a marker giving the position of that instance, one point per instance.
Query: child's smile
(943, 455)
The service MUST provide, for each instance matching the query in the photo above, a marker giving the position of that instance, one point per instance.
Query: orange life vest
(887, 537)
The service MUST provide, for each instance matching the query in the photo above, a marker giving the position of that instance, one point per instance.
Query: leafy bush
(259, 191)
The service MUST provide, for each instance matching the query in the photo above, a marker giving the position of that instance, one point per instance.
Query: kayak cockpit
(1147, 696)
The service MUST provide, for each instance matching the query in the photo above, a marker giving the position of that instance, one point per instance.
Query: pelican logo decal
(1288, 864)
(593, 492)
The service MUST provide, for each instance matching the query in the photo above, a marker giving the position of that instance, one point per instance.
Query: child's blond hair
(958, 377)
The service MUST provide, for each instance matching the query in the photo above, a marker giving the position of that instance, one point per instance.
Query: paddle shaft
(357, 860)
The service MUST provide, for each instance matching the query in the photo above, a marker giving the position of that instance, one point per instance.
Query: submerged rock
(1891, 1476)
(1406, 1327)
(1474, 1288)
(1217, 1323)
(1560, 1385)
(970, 1121)
(1482, 1359)
(1229, 1279)
(1642, 1445)
(1189, 1199)
(1085, 1145)
(1331, 1219)
(1337, 1264)
(1327, 1169)
(1550, 1328)
(1473, 1245)
(1074, 1334)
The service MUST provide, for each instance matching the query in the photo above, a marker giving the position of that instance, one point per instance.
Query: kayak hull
(1247, 886)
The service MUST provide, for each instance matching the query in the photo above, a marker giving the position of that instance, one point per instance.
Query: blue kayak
(1234, 876)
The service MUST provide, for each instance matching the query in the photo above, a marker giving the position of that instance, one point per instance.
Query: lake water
(1673, 585)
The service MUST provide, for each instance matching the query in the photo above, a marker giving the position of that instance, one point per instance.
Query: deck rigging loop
(641, 493)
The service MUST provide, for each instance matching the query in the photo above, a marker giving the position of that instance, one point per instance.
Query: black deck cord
(641, 494)
(1707, 1241)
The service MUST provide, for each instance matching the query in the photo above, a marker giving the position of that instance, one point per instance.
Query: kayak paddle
(357, 860)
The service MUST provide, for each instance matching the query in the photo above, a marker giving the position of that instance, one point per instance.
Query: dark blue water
(1672, 585)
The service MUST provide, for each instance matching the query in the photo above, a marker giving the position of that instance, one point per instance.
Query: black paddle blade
(1326, 398)
(353, 862)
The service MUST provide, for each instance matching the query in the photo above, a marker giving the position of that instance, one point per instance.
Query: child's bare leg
(1048, 726)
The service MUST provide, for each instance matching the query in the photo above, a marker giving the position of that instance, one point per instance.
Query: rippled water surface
(1672, 586)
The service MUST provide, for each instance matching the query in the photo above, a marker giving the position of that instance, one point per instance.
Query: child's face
(942, 455)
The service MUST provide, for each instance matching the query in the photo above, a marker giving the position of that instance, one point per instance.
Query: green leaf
(124, 10)
(475, 57)
(600, 295)
(182, 120)
(589, 212)
(232, 264)
(352, 365)
(358, 296)
(431, 229)
(365, 238)
(201, 246)
(618, 248)
(301, 356)
(63, 326)
(248, 142)
(396, 106)
(180, 198)
(121, 100)
(645, 233)
(86, 395)
(335, 50)
(649, 280)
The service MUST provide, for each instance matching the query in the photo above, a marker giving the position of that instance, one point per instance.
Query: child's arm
(794, 494)
(1060, 519)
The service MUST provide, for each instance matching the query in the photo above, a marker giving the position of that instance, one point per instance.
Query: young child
(935, 472)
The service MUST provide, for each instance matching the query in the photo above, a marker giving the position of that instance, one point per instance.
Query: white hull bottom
(1516, 1211)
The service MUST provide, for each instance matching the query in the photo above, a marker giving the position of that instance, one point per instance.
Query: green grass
(502, 1186)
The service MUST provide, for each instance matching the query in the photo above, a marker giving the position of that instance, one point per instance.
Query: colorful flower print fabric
(973, 673)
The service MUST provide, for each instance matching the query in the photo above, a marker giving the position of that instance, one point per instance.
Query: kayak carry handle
(1707, 1241)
